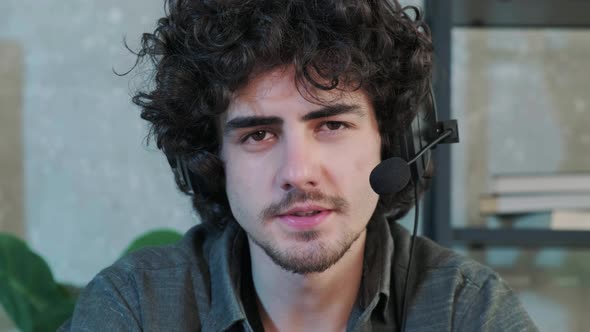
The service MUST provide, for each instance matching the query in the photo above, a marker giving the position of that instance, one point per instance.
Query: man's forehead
(277, 91)
(267, 91)
(261, 89)
(277, 83)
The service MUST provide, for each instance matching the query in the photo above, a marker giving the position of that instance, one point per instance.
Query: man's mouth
(305, 210)
(305, 213)
(302, 219)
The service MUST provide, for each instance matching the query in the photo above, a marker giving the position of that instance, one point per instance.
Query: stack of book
(565, 195)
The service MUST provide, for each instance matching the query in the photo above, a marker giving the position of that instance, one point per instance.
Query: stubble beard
(310, 254)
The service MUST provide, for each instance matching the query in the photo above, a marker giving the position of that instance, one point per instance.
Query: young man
(276, 112)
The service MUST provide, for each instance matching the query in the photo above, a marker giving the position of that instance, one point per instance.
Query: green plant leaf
(28, 292)
(154, 238)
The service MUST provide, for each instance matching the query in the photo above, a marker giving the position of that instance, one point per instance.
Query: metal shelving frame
(442, 16)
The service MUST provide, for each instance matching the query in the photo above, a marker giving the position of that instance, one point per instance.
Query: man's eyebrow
(324, 112)
(333, 110)
(250, 121)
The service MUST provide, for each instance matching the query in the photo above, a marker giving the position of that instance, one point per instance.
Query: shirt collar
(379, 251)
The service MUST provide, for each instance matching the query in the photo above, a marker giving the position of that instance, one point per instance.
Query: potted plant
(30, 295)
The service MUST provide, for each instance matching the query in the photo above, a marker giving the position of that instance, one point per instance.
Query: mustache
(298, 196)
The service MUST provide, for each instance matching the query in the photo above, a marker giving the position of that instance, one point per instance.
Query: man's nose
(299, 166)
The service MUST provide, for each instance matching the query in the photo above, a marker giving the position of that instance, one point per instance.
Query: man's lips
(305, 217)
(303, 209)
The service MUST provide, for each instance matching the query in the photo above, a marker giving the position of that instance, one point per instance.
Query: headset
(391, 175)
(423, 134)
(411, 167)
(181, 172)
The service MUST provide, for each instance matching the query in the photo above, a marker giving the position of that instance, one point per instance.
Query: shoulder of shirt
(432, 258)
(188, 251)
(165, 273)
(455, 290)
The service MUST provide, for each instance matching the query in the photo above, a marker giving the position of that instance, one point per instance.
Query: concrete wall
(90, 182)
(11, 162)
(78, 164)
(11, 149)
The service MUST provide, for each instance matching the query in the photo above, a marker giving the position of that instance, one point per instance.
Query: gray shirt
(204, 283)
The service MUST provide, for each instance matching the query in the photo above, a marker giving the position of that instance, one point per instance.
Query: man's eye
(335, 125)
(256, 136)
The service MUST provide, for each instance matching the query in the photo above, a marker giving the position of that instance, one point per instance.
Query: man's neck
(311, 302)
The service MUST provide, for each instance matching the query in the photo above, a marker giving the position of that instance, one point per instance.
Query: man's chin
(304, 261)
(306, 252)
(304, 237)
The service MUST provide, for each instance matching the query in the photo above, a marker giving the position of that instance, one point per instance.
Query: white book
(515, 204)
(540, 183)
(570, 220)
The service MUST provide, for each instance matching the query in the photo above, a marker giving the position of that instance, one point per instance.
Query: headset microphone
(393, 174)
(390, 176)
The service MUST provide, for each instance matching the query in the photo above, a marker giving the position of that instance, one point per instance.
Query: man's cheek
(244, 181)
(363, 165)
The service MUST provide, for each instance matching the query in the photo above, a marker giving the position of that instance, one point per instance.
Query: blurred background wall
(78, 182)
(521, 97)
(77, 179)
(11, 149)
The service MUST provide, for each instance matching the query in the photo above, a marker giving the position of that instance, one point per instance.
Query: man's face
(297, 173)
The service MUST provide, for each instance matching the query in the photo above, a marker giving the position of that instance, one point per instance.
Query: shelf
(483, 237)
(521, 14)
(442, 16)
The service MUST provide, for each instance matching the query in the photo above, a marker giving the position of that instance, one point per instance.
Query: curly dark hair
(204, 50)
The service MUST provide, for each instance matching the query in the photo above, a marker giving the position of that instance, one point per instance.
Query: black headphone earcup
(205, 172)
(417, 136)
